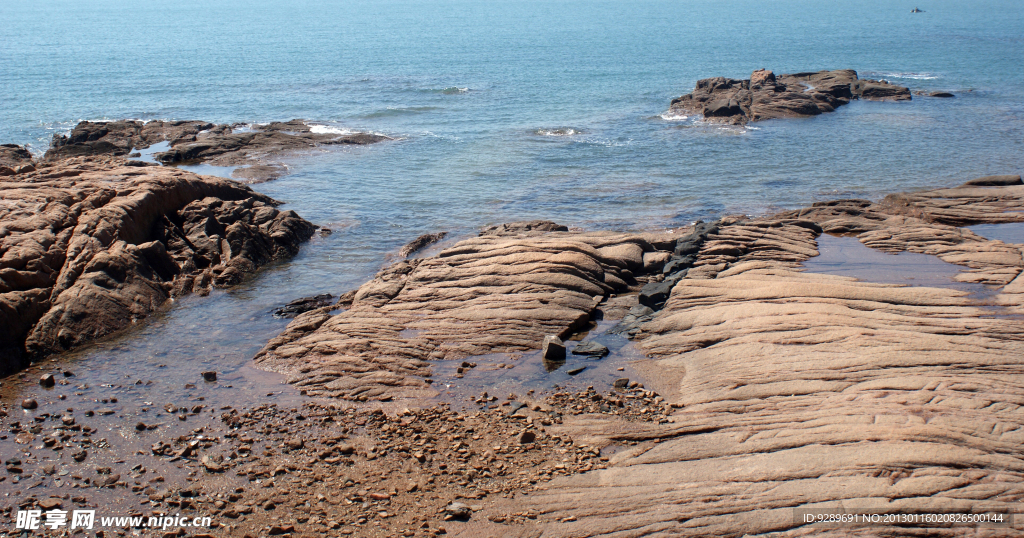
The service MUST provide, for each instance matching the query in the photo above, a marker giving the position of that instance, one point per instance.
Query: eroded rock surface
(253, 147)
(500, 292)
(223, 148)
(796, 391)
(764, 96)
(91, 244)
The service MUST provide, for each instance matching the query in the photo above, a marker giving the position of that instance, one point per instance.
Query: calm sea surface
(476, 93)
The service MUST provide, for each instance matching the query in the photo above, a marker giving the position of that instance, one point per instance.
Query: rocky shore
(759, 390)
(91, 244)
(254, 148)
(766, 96)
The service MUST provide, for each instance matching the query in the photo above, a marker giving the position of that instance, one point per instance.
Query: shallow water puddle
(503, 374)
(147, 154)
(847, 256)
(209, 169)
(1011, 232)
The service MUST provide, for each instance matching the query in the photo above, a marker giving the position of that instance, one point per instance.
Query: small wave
(324, 129)
(399, 111)
(447, 90)
(563, 131)
(672, 116)
(912, 76)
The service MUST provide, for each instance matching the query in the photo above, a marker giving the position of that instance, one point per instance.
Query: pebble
(210, 376)
(29, 403)
(47, 380)
(458, 511)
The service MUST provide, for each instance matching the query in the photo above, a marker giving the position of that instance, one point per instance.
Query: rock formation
(15, 159)
(501, 292)
(88, 245)
(782, 391)
(764, 96)
(789, 391)
(203, 142)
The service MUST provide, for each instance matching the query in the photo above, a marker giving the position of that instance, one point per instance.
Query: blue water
(469, 88)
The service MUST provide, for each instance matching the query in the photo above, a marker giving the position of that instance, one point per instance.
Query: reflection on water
(501, 374)
(1011, 232)
(847, 256)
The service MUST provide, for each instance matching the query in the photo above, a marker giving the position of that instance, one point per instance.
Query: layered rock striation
(790, 392)
(503, 291)
(89, 245)
(764, 96)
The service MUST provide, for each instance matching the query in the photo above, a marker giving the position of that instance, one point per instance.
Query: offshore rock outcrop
(89, 245)
(764, 96)
(203, 142)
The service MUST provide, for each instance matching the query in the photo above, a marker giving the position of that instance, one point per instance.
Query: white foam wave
(672, 116)
(559, 132)
(324, 129)
(911, 76)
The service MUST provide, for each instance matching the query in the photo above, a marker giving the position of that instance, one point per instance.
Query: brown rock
(420, 243)
(119, 137)
(91, 245)
(47, 381)
(29, 403)
(762, 77)
(793, 389)
(224, 147)
(13, 157)
(796, 95)
(50, 503)
(491, 294)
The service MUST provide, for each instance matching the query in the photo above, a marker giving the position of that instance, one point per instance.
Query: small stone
(621, 383)
(295, 444)
(553, 349)
(458, 511)
(67, 420)
(50, 503)
(527, 437)
(141, 426)
(29, 403)
(80, 455)
(47, 380)
(590, 349)
(210, 376)
(379, 496)
(575, 371)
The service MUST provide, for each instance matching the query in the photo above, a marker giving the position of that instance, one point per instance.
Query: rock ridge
(764, 96)
(254, 147)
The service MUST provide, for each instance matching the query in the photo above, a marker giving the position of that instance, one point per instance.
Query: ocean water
(513, 110)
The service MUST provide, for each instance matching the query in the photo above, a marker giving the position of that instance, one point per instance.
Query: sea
(507, 110)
